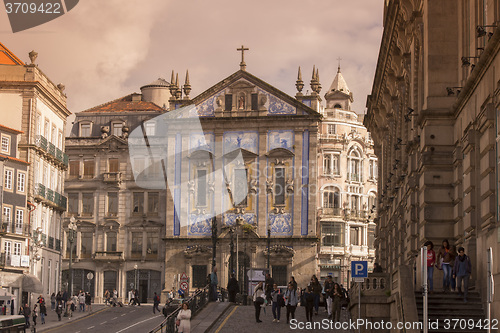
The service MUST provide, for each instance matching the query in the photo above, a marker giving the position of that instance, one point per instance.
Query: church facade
(262, 205)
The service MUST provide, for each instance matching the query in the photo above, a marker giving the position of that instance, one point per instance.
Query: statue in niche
(241, 103)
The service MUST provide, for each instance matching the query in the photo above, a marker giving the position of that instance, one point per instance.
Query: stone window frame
(8, 140)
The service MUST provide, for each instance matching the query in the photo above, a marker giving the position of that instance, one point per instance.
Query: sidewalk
(203, 321)
(52, 321)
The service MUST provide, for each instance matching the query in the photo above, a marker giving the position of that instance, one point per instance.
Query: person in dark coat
(27, 314)
(269, 283)
(59, 310)
(233, 288)
(316, 289)
(156, 302)
(308, 298)
(64, 298)
(43, 312)
(462, 270)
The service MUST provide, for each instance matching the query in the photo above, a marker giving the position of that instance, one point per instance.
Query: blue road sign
(359, 269)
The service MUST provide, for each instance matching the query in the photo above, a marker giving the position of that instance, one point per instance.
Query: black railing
(196, 303)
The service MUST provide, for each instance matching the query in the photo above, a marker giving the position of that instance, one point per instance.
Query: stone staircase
(449, 306)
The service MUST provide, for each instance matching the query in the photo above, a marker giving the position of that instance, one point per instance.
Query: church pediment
(243, 94)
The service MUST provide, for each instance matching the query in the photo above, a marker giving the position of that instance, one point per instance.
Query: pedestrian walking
(81, 301)
(278, 303)
(308, 299)
(58, 297)
(316, 289)
(431, 261)
(233, 288)
(156, 302)
(59, 310)
(214, 281)
(136, 297)
(65, 298)
(461, 271)
(106, 297)
(53, 301)
(88, 302)
(43, 312)
(69, 308)
(291, 301)
(35, 313)
(258, 299)
(269, 285)
(446, 257)
(27, 314)
(336, 299)
(328, 293)
(184, 319)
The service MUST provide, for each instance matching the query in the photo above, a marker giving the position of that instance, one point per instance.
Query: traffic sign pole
(359, 271)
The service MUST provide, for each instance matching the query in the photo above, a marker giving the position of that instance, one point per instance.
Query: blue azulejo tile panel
(276, 106)
(245, 140)
(305, 182)
(281, 224)
(248, 218)
(280, 139)
(208, 106)
(201, 141)
(200, 225)
(177, 189)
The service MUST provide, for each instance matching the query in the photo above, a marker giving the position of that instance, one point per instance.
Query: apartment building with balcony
(119, 224)
(347, 184)
(14, 224)
(33, 104)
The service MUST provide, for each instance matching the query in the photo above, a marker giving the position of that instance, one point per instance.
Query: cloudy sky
(102, 50)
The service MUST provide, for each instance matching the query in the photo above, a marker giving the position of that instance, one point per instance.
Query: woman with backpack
(308, 299)
(278, 303)
(291, 301)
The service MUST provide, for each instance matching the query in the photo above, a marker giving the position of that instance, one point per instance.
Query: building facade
(433, 113)
(347, 183)
(264, 199)
(119, 224)
(33, 104)
(14, 228)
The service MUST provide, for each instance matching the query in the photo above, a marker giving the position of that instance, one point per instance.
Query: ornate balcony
(108, 255)
(50, 197)
(12, 228)
(51, 152)
(330, 211)
(112, 177)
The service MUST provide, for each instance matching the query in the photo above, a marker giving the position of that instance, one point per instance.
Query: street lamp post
(268, 248)
(231, 247)
(71, 238)
(135, 279)
(214, 241)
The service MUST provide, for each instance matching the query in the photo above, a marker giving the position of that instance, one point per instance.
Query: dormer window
(85, 129)
(116, 128)
(337, 106)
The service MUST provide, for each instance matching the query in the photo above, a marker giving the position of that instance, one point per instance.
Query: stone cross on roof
(243, 66)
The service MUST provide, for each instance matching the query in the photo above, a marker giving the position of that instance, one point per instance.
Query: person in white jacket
(184, 317)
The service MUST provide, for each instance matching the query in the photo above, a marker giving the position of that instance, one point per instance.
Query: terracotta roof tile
(14, 159)
(8, 58)
(5, 128)
(125, 104)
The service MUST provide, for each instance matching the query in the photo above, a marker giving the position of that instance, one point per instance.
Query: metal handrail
(196, 303)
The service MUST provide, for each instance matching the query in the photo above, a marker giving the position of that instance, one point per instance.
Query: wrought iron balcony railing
(50, 197)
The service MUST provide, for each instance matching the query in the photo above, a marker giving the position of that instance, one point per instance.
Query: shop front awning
(28, 283)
